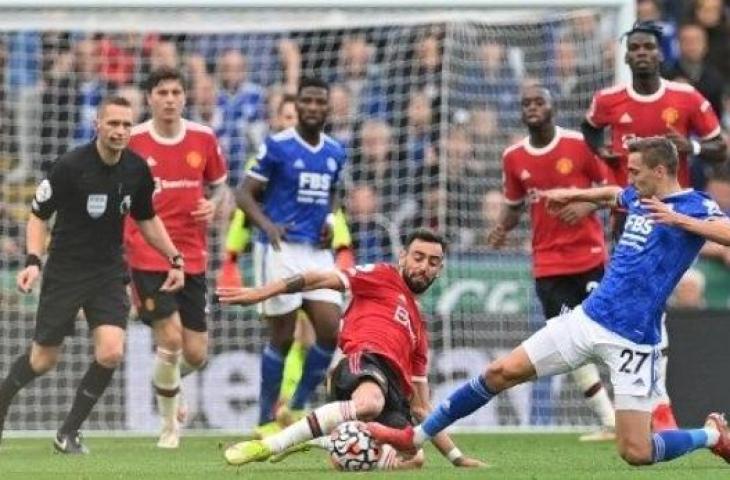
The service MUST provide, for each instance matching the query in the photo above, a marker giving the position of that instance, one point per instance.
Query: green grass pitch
(518, 456)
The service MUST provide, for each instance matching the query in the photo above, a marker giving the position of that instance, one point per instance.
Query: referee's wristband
(454, 454)
(33, 259)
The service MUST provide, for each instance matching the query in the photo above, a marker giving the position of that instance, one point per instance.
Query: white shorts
(571, 340)
(292, 259)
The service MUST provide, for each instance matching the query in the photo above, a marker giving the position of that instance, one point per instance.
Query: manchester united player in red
(651, 106)
(185, 160)
(383, 374)
(568, 246)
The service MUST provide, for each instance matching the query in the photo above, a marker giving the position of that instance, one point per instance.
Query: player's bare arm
(246, 196)
(36, 236)
(310, 280)
(155, 234)
(557, 198)
(711, 149)
(208, 205)
(594, 138)
(509, 217)
(715, 230)
(420, 408)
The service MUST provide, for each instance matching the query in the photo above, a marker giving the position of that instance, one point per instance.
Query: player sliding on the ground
(383, 375)
(620, 321)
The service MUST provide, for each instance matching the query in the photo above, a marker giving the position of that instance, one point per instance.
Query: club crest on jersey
(194, 159)
(331, 164)
(96, 204)
(670, 115)
(564, 166)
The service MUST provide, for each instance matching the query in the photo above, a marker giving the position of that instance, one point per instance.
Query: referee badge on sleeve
(96, 205)
(44, 192)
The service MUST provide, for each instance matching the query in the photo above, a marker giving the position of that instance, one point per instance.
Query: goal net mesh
(424, 101)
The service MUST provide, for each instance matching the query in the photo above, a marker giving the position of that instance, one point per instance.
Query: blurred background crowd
(425, 111)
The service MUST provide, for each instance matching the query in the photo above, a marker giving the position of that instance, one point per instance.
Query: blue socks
(272, 368)
(315, 368)
(670, 444)
(462, 402)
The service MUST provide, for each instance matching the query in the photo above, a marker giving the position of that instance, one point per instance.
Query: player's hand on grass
(682, 143)
(205, 211)
(575, 212)
(610, 157)
(27, 277)
(660, 212)
(466, 462)
(240, 295)
(496, 237)
(175, 280)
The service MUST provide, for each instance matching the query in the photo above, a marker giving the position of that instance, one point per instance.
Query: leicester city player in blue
(289, 194)
(619, 323)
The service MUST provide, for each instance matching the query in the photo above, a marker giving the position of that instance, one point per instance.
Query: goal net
(424, 100)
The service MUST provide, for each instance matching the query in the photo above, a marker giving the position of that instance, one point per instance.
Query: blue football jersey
(646, 265)
(300, 179)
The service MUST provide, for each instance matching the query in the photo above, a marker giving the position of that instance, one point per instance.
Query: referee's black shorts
(356, 368)
(567, 291)
(100, 292)
(155, 305)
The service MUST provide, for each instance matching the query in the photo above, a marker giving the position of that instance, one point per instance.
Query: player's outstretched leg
(319, 422)
(588, 380)
(638, 446)
(368, 401)
(21, 374)
(504, 373)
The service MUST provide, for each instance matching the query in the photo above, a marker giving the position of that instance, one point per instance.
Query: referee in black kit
(91, 189)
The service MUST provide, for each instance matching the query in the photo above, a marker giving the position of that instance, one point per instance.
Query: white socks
(586, 377)
(166, 380)
(319, 422)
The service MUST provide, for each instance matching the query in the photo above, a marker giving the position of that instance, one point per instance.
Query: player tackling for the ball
(383, 375)
(620, 322)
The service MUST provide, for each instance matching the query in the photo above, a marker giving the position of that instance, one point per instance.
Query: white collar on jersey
(543, 150)
(168, 140)
(647, 98)
(313, 149)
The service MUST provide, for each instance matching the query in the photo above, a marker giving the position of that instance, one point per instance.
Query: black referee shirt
(91, 199)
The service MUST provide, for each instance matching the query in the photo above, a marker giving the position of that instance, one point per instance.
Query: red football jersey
(558, 248)
(181, 167)
(383, 318)
(631, 115)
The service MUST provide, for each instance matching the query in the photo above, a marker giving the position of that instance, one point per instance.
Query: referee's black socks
(92, 387)
(20, 375)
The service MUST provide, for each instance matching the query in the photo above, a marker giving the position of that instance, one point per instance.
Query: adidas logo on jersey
(151, 162)
(299, 163)
(625, 118)
(524, 175)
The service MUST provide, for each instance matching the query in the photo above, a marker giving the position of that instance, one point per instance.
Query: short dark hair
(163, 74)
(112, 100)
(286, 98)
(426, 235)
(656, 151)
(649, 27)
(315, 82)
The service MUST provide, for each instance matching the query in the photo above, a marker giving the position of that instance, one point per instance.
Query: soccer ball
(353, 448)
